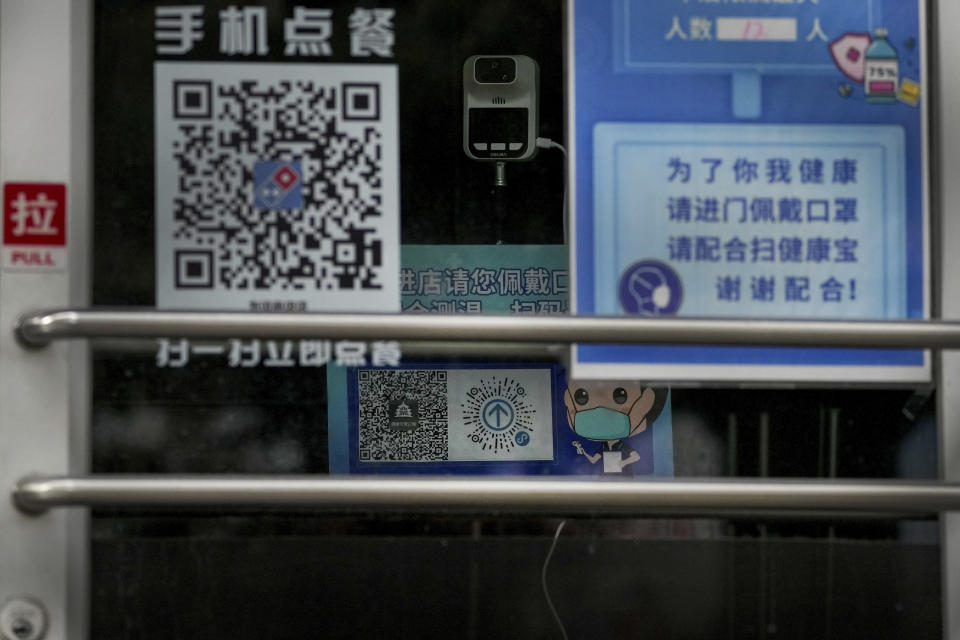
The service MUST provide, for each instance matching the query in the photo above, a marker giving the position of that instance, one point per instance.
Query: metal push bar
(42, 327)
(38, 494)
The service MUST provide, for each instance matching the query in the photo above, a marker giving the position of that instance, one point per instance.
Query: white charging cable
(543, 580)
(547, 143)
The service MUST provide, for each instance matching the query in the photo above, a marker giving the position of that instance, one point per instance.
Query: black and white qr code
(403, 415)
(277, 186)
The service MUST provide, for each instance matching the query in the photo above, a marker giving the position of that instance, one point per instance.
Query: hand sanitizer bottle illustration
(882, 67)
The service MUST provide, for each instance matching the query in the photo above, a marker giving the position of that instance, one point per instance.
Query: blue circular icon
(522, 438)
(651, 288)
(497, 414)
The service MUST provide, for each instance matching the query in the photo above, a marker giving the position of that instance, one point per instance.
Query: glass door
(280, 161)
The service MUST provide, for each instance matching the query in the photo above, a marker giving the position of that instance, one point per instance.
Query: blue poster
(491, 417)
(749, 160)
(494, 419)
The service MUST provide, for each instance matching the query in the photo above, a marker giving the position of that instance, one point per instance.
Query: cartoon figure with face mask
(611, 413)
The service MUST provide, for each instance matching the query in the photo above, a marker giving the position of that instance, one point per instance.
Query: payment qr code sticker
(277, 186)
(454, 415)
(403, 415)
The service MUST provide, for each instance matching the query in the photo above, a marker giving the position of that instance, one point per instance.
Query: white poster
(277, 186)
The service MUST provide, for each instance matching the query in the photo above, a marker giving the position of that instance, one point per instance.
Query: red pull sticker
(34, 225)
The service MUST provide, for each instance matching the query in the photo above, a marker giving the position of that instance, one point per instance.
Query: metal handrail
(37, 494)
(42, 327)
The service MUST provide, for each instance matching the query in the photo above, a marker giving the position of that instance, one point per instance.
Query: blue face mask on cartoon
(602, 424)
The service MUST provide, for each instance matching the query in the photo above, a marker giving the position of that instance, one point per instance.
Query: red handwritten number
(754, 30)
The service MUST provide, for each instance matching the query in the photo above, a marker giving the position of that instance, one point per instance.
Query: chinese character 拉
(33, 217)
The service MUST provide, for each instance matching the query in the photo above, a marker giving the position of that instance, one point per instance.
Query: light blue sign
(749, 160)
(756, 221)
(491, 279)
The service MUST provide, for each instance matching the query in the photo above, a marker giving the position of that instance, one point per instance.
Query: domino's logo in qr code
(278, 185)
